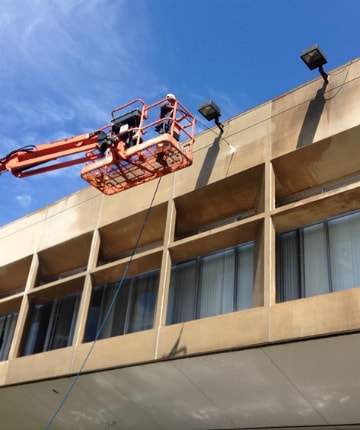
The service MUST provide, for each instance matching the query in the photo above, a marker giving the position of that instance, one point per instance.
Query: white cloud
(66, 64)
(92, 111)
(24, 199)
(71, 172)
(8, 144)
(45, 112)
(70, 60)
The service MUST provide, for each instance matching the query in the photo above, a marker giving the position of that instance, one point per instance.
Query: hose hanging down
(98, 333)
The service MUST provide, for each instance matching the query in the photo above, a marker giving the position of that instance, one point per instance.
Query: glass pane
(107, 312)
(181, 304)
(122, 309)
(344, 238)
(143, 301)
(7, 328)
(2, 335)
(245, 276)
(93, 314)
(111, 312)
(37, 325)
(131, 310)
(315, 260)
(62, 319)
(216, 284)
(288, 264)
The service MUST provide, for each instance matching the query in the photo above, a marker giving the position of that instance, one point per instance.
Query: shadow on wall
(175, 350)
(312, 118)
(208, 163)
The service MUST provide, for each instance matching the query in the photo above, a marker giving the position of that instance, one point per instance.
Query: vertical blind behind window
(212, 285)
(132, 311)
(319, 259)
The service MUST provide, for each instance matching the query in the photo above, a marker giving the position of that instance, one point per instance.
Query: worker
(167, 111)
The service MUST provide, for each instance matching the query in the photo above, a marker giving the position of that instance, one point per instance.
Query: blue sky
(66, 64)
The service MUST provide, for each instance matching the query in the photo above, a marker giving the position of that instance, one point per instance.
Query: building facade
(224, 296)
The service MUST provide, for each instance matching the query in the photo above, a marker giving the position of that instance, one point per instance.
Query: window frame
(173, 315)
(107, 292)
(300, 245)
(42, 319)
(7, 330)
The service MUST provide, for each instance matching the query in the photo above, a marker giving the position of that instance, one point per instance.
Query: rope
(98, 333)
(217, 134)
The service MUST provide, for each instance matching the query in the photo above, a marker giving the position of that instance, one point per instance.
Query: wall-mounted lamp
(210, 111)
(315, 59)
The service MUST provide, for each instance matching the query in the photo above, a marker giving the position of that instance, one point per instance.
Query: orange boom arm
(26, 161)
(116, 156)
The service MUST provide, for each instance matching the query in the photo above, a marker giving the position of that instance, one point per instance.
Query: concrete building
(241, 303)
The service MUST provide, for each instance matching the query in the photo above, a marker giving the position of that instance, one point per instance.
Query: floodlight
(314, 58)
(211, 111)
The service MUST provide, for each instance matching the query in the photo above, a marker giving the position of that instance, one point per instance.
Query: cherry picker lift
(137, 146)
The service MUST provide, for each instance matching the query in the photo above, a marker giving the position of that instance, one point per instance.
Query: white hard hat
(170, 96)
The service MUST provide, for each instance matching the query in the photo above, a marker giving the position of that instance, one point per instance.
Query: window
(211, 285)
(133, 309)
(319, 259)
(7, 328)
(51, 325)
